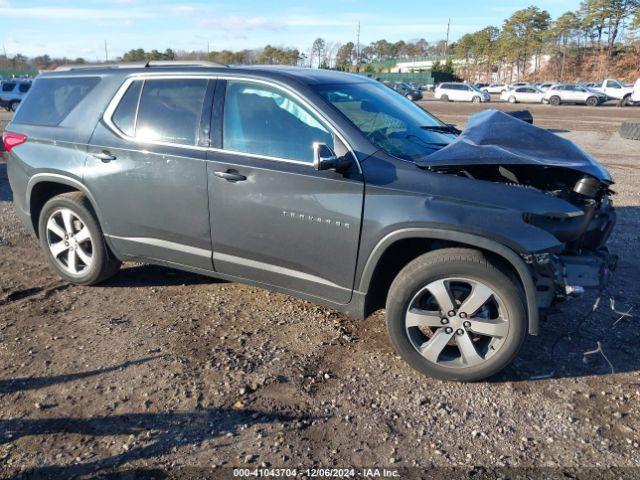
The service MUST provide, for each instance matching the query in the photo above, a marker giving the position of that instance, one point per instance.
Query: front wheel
(592, 101)
(453, 314)
(476, 100)
(444, 98)
(512, 99)
(73, 241)
(13, 106)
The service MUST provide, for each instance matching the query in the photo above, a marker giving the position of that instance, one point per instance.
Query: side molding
(465, 238)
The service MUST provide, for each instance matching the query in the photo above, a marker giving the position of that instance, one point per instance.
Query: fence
(424, 78)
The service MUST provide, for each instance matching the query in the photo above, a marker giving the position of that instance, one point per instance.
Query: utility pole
(358, 48)
(446, 42)
(106, 52)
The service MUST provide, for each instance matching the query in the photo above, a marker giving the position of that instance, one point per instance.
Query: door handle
(105, 156)
(231, 176)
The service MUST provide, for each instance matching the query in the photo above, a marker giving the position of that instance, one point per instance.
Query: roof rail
(149, 64)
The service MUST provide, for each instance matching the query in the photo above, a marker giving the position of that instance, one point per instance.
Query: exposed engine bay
(499, 148)
(585, 261)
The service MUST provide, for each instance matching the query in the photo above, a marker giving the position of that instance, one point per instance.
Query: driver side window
(262, 120)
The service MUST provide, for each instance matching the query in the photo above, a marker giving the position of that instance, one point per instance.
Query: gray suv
(324, 185)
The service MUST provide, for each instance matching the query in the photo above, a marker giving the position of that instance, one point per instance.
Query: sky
(79, 28)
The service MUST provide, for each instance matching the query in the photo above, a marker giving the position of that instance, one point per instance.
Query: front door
(275, 219)
(149, 178)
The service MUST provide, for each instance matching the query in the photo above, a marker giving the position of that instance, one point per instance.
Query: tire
(476, 100)
(463, 265)
(13, 106)
(409, 97)
(630, 130)
(444, 98)
(555, 101)
(76, 258)
(512, 99)
(592, 101)
(625, 101)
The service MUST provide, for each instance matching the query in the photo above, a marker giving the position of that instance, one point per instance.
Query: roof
(310, 76)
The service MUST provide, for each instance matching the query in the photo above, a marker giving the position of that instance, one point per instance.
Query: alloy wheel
(69, 241)
(457, 322)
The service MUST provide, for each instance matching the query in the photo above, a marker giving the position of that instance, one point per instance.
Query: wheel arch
(44, 186)
(398, 248)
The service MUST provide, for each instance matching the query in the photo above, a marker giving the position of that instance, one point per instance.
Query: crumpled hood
(495, 138)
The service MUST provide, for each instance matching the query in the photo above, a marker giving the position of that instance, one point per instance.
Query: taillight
(11, 140)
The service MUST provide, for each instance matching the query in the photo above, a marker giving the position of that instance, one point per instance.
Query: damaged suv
(323, 185)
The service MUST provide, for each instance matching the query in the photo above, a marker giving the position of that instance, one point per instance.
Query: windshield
(390, 121)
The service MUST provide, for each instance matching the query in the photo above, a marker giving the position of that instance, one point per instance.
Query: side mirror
(324, 158)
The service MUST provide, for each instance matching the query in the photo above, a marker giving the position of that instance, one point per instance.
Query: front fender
(471, 240)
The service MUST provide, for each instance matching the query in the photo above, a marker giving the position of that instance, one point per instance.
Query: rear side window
(24, 87)
(170, 110)
(8, 87)
(125, 115)
(52, 99)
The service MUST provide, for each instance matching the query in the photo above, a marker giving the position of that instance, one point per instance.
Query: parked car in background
(635, 95)
(546, 86)
(460, 92)
(495, 88)
(616, 90)
(319, 184)
(12, 92)
(577, 94)
(511, 86)
(480, 86)
(527, 94)
(407, 90)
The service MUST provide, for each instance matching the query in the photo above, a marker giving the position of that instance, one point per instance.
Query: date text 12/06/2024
(317, 472)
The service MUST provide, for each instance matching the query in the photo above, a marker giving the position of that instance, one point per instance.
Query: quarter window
(125, 115)
(263, 120)
(8, 87)
(170, 110)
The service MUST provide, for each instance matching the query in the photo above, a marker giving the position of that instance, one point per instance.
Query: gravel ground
(161, 371)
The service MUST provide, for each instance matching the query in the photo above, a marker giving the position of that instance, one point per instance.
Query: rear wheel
(13, 106)
(476, 100)
(73, 241)
(512, 99)
(555, 100)
(455, 315)
(444, 98)
(624, 101)
(592, 101)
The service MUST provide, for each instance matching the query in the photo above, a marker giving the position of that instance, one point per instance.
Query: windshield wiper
(442, 128)
(432, 145)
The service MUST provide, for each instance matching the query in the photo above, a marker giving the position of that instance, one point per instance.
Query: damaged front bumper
(559, 277)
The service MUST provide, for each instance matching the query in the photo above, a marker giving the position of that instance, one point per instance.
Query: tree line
(592, 40)
(601, 35)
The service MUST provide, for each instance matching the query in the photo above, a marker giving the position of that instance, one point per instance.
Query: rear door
(147, 171)
(275, 219)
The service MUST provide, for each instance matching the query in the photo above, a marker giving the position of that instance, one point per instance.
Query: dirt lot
(159, 369)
